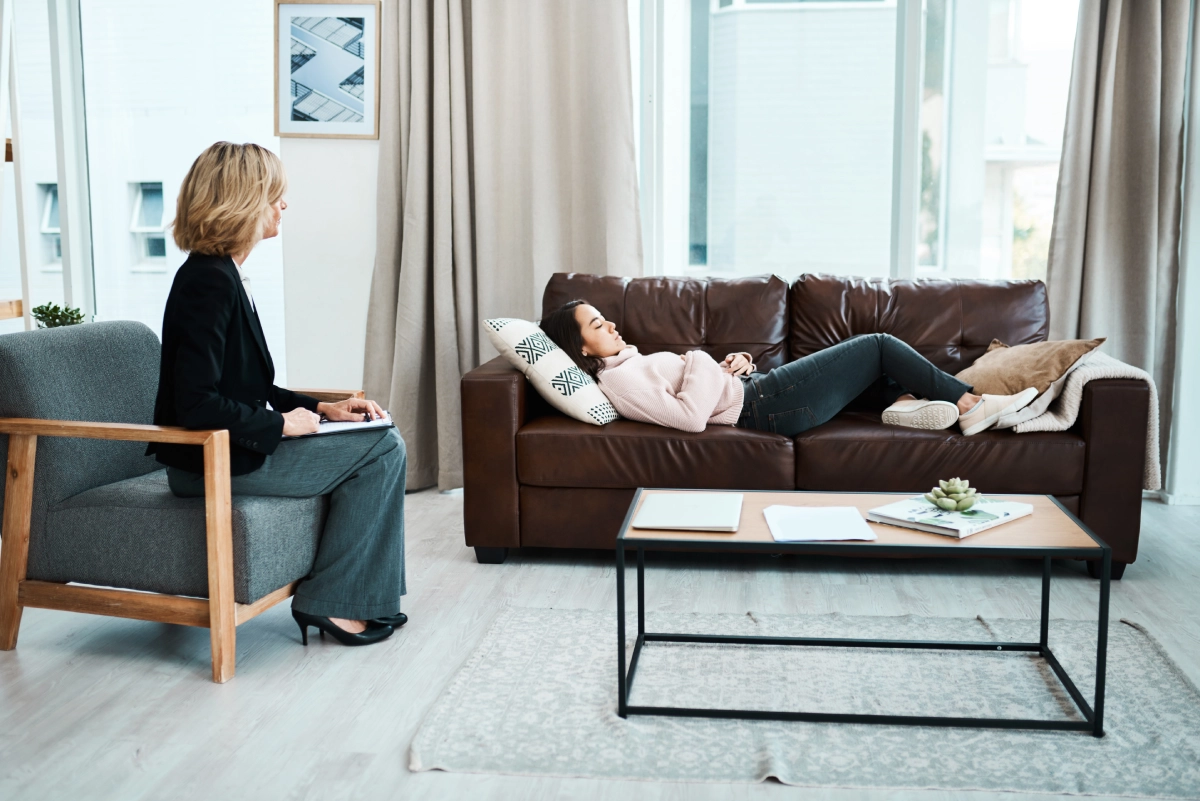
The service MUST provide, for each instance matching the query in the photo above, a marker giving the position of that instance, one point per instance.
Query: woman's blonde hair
(226, 198)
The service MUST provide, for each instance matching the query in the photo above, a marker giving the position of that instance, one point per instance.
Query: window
(150, 112)
(775, 135)
(150, 242)
(39, 171)
(49, 228)
(996, 78)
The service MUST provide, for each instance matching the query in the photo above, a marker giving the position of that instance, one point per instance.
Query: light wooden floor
(95, 707)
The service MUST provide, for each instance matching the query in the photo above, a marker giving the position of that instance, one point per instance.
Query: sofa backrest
(99, 372)
(716, 315)
(951, 323)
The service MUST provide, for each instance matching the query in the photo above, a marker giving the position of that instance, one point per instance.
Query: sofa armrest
(1112, 421)
(495, 404)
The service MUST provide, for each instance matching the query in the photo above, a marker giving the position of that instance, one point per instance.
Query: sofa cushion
(136, 534)
(1005, 370)
(716, 315)
(856, 452)
(555, 451)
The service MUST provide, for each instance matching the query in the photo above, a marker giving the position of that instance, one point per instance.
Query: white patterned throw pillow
(551, 371)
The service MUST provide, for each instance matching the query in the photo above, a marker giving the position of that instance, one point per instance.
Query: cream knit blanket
(1063, 410)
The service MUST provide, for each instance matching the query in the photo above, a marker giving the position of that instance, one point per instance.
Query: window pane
(170, 80)
(39, 169)
(988, 205)
(790, 140)
(151, 211)
(52, 223)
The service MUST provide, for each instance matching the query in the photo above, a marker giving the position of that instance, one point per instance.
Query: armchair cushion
(136, 534)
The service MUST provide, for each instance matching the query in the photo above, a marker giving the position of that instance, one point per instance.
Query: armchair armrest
(127, 432)
(331, 395)
(1112, 421)
(495, 404)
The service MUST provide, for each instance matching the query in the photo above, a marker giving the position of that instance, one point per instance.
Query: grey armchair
(89, 522)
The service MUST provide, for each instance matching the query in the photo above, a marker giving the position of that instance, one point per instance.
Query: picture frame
(327, 68)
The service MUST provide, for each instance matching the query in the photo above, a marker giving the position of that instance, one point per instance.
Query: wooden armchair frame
(219, 613)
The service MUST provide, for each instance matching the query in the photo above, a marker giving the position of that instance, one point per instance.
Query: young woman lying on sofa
(691, 390)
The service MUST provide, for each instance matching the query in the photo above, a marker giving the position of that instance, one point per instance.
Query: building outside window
(994, 99)
(149, 112)
(149, 239)
(777, 129)
(51, 232)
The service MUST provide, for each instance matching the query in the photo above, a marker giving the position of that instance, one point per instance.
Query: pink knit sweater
(685, 393)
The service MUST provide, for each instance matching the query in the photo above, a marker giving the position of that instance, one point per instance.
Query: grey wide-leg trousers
(359, 570)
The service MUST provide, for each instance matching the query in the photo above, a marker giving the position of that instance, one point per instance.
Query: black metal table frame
(1093, 714)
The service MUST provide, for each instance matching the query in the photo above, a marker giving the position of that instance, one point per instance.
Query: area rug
(538, 698)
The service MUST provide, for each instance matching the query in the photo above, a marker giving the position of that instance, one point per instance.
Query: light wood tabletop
(1048, 527)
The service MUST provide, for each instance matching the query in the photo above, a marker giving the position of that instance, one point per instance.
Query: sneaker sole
(934, 416)
(1023, 399)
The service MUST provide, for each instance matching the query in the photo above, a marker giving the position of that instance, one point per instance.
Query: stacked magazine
(922, 515)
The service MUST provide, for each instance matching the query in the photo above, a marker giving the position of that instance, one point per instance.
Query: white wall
(328, 256)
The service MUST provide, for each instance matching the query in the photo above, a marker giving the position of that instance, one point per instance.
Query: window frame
(70, 141)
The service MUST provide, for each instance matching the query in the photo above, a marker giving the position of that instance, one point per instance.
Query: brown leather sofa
(536, 478)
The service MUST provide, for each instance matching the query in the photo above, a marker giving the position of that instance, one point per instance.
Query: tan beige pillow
(1006, 371)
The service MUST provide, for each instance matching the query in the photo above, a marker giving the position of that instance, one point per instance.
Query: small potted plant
(50, 315)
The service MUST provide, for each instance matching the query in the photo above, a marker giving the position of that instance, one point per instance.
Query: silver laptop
(691, 511)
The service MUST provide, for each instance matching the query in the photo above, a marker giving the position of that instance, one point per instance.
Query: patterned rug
(538, 698)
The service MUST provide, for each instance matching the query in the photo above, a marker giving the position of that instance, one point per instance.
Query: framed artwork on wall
(327, 69)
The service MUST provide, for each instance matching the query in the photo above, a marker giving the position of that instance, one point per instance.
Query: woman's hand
(738, 364)
(351, 410)
(300, 421)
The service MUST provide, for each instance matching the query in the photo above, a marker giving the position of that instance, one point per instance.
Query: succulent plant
(953, 495)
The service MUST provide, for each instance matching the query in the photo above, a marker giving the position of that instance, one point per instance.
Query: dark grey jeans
(805, 393)
(359, 570)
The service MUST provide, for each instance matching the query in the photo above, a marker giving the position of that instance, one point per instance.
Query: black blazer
(216, 371)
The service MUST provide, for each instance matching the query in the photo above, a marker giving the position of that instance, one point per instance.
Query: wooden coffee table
(1050, 532)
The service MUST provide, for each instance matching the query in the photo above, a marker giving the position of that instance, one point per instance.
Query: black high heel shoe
(395, 621)
(372, 634)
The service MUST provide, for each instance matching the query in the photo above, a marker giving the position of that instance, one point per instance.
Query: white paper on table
(816, 523)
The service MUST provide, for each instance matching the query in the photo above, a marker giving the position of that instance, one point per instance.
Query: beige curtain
(506, 154)
(1114, 248)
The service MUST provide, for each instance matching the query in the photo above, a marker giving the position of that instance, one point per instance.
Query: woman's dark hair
(561, 326)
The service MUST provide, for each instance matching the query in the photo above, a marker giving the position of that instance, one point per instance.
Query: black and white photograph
(327, 68)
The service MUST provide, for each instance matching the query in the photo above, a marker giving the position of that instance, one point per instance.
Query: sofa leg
(1117, 570)
(490, 556)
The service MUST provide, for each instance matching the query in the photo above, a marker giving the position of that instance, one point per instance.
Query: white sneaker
(992, 408)
(927, 414)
